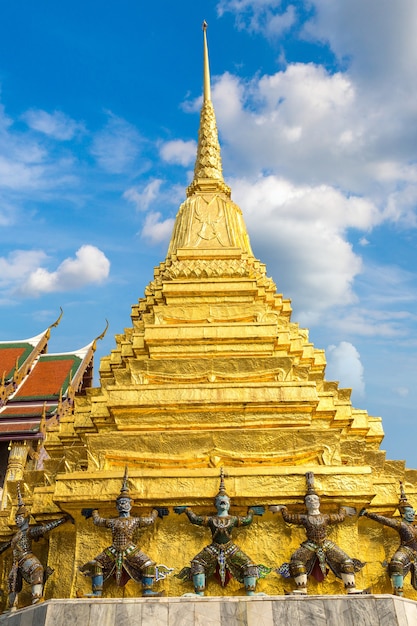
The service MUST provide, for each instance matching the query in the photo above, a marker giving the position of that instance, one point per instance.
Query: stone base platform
(369, 610)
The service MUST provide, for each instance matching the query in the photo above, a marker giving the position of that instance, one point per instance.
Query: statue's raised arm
(222, 557)
(317, 553)
(404, 559)
(198, 520)
(27, 566)
(123, 560)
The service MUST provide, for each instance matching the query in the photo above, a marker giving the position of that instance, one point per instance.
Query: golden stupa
(212, 373)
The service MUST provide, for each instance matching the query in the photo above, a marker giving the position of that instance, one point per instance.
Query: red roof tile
(8, 356)
(25, 411)
(29, 426)
(47, 378)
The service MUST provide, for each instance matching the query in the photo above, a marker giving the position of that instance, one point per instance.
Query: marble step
(367, 610)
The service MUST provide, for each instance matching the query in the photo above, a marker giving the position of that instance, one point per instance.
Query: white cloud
(179, 152)
(385, 307)
(315, 155)
(7, 212)
(353, 128)
(260, 16)
(18, 264)
(155, 194)
(157, 230)
(5, 121)
(56, 124)
(22, 159)
(344, 365)
(27, 166)
(116, 147)
(375, 39)
(381, 283)
(314, 127)
(367, 322)
(388, 54)
(143, 197)
(19, 176)
(90, 266)
(295, 122)
(301, 232)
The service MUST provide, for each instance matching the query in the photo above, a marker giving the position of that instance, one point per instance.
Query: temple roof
(36, 388)
(50, 377)
(16, 355)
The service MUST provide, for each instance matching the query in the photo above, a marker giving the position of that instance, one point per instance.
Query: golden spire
(208, 174)
(209, 225)
(206, 70)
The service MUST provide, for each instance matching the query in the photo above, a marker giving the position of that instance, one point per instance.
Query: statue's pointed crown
(21, 507)
(310, 484)
(403, 502)
(124, 491)
(222, 487)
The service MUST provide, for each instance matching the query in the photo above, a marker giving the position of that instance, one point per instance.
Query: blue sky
(316, 105)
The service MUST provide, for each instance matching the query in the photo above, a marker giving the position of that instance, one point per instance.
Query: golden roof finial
(55, 324)
(101, 336)
(16, 371)
(42, 423)
(208, 174)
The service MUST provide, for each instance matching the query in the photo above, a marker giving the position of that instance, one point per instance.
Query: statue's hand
(362, 512)
(179, 509)
(276, 508)
(257, 510)
(162, 511)
(350, 511)
(87, 513)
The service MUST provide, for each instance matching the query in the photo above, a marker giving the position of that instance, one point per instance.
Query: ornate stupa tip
(208, 174)
(310, 484)
(124, 491)
(403, 501)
